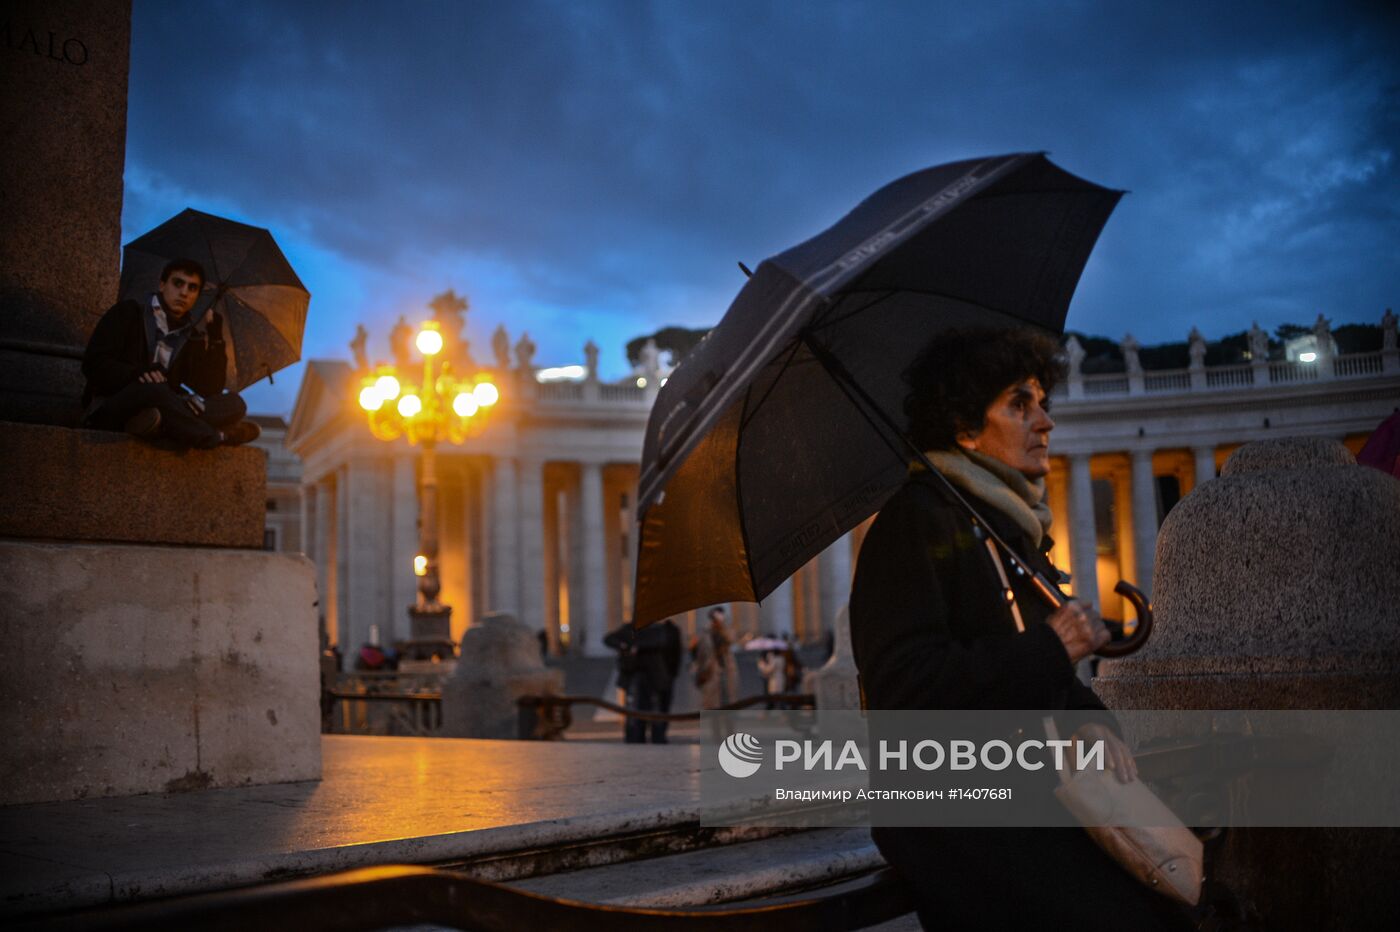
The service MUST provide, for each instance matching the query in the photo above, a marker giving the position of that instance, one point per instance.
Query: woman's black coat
(931, 629)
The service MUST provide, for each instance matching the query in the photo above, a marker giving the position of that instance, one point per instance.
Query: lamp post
(441, 406)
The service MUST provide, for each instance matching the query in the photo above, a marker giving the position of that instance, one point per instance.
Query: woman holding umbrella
(932, 628)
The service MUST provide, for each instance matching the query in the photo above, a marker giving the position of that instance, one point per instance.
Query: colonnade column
(325, 513)
(505, 541)
(307, 535)
(1205, 463)
(340, 573)
(1144, 519)
(775, 612)
(594, 577)
(363, 599)
(531, 511)
(403, 547)
(834, 580)
(1083, 530)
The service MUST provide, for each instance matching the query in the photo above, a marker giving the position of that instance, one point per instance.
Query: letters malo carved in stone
(70, 50)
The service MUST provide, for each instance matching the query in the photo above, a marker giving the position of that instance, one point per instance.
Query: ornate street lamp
(439, 406)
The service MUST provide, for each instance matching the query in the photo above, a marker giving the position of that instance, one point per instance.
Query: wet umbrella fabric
(261, 299)
(756, 457)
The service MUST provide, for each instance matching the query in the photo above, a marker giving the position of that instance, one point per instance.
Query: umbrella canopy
(257, 293)
(757, 456)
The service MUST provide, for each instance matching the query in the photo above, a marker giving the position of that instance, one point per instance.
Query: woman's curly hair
(960, 373)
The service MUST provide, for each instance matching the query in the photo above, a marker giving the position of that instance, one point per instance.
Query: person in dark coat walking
(651, 659)
(153, 371)
(932, 629)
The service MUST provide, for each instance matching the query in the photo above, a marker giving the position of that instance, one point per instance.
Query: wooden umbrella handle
(1138, 638)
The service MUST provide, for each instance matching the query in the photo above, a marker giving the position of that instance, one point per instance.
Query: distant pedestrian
(716, 671)
(770, 667)
(792, 672)
(649, 661)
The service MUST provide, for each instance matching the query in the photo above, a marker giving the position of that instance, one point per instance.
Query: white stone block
(139, 669)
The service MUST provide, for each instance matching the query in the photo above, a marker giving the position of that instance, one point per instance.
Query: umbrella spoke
(751, 410)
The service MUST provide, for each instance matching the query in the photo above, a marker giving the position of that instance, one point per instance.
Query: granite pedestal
(1278, 587)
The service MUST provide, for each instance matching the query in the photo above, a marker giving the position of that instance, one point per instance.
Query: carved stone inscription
(22, 37)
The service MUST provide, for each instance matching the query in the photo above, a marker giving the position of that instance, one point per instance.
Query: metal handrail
(792, 699)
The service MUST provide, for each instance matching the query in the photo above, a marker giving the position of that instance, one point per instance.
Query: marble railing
(1117, 384)
(1231, 377)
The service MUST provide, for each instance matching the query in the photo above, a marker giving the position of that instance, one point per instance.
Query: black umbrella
(783, 429)
(260, 298)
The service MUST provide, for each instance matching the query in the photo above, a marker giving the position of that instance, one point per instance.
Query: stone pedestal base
(430, 634)
(1278, 587)
(155, 669)
(93, 485)
(499, 663)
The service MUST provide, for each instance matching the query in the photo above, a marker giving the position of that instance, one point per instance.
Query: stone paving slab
(381, 800)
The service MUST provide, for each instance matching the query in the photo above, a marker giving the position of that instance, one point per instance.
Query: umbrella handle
(1133, 643)
(1129, 645)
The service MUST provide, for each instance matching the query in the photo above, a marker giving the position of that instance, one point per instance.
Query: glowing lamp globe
(370, 399)
(465, 405)
(486, 394)
(409, 405)
(429, 342)
(388, 387)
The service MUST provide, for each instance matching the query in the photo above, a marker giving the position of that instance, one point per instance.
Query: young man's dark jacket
(117, 352)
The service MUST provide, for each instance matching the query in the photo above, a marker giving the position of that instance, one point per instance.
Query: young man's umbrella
(783, 429)
(249, 281)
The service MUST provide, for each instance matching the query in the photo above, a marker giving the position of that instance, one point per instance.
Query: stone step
(561, 856)
(724, 874)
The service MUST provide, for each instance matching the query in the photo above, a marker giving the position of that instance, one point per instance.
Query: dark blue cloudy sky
(587, 169)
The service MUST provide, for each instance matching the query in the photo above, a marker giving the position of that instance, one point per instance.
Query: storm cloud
(595, 169)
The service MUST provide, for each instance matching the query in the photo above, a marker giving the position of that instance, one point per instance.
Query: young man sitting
(153, 372)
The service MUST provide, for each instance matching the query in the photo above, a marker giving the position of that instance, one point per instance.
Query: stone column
(505, 541)
(340, 596)
(775, 612)
(1205, 464)
(531, 510)
(403, 544)
(365, 599)
(63, 81)
(1083, 530)
(1144, 519)
(308, 511)
(324, 554)
(834, 580)
(594, 577)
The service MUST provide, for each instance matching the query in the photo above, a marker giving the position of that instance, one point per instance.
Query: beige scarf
(997, 484)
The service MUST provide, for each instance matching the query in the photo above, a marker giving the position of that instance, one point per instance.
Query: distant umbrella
(261, 299)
